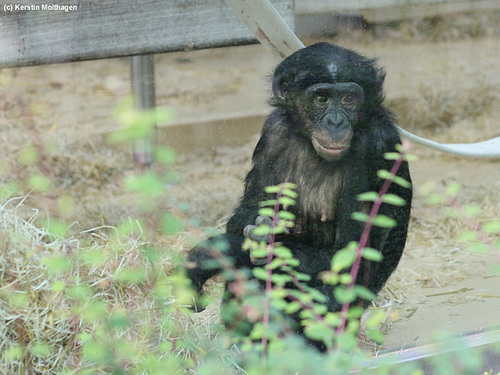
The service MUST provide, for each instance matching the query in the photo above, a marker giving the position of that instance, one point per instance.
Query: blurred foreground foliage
(114, 300)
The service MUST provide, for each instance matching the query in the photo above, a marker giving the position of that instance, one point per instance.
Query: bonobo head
(328, 91)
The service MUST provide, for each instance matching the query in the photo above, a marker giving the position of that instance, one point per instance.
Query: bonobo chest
(320, 185)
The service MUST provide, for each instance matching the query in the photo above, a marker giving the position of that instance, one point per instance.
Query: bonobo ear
(279, 90)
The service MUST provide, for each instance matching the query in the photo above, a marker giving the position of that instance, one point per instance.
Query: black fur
(327, 188)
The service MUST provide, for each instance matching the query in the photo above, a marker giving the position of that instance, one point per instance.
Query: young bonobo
(328, 135)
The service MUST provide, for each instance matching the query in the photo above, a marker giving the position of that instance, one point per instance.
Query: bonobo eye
(348, 99)
(321, 99)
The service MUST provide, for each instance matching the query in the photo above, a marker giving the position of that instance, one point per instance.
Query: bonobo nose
(337, 120)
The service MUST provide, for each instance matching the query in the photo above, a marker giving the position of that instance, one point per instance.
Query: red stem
(365, 236)
(269, 284)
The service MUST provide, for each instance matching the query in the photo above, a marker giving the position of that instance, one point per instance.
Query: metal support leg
(142, 74)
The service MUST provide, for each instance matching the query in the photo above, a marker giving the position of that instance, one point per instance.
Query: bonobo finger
(248, 232)
(263, 220)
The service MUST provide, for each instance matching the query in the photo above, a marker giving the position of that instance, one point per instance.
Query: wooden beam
(103, 29)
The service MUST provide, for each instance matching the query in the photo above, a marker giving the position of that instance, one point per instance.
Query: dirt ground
(447, 90)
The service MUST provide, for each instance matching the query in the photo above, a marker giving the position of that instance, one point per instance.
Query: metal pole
(142, 74)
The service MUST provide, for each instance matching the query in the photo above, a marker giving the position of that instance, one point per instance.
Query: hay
(65, 300)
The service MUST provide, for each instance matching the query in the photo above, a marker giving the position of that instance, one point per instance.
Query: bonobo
(328, 135)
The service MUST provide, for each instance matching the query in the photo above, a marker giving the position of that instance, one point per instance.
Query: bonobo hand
(248, 231)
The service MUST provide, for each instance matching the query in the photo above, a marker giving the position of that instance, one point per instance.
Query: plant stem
(365, 236)
(269, 285)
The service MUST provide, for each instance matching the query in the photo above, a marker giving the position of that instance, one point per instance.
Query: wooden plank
(310, 7)
(113, 28)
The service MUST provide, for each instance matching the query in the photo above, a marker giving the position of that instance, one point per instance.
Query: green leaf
(355, 312)
(401, 182)
(370, 196)
(280, 279)
(392, 156)
(472, 210)
(283, 252)
(364, 293)
(39, 182)
(290, 193)
(260, 273)
(271, 202)
(276, 263)
(319, 331)
(360, 216)
(293, 262)
(453, 189)
(279, 304)
(262, 230)
(58, 286)
(165, 156)
(384, 221)
(147, 183)
(96, 352)
(345, 278)
(258, 331)
(344, 295)
(170, 224)
(376, 317)
(330, 278)
(333, 319)
(410, 157)
(58, 264)
(372, 254)
(278, 293)
(272, 189)
(317, 295)
(394, 200)
(434, 199)
(343, 258)
(259, 252)
(468, 236)
(29, 155)
(292, 307)
(347, 342)
(375, 335)
(12, 353)
(302, 276)
(492, 227)
(119, 319)
(385, 175)
(285, 201)
(40, 349)
(80, 292)
(267, 211)
(286, 215)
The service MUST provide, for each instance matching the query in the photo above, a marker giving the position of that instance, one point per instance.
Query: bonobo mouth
(322, 150)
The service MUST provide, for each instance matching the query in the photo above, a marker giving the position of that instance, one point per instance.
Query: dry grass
(95, 301)
(431, 109)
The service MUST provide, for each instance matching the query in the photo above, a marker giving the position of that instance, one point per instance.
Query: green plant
(286, 291)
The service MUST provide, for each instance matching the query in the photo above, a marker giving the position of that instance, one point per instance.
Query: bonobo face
(330, 112)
